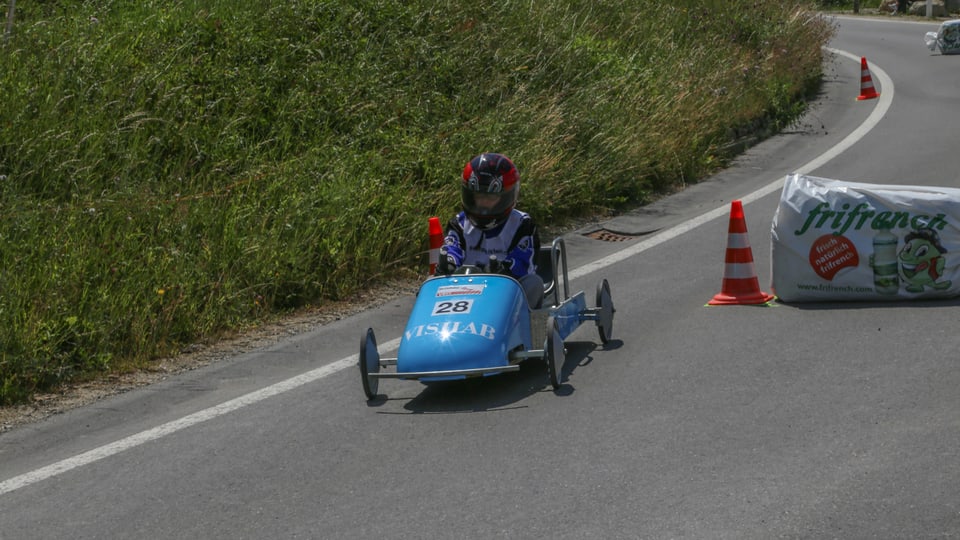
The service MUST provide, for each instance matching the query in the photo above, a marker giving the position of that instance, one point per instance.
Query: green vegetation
(170, 170)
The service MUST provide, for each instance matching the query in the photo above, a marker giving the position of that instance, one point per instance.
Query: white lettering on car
(448, 329)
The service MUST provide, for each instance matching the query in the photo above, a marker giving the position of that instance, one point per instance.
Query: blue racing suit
(515, 243)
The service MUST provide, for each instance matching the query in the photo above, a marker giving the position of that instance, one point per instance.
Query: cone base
(724, 299)
(862, 97)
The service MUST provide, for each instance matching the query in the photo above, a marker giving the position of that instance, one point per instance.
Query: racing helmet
(490, 189)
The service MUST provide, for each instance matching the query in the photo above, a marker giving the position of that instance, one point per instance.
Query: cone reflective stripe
(436, 240)
(740, 282)
(867, 91)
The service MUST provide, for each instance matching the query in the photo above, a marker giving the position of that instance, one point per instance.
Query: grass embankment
(170, 170)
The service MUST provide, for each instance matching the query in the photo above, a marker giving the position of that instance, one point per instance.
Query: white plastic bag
(946, 38)
(834, 240)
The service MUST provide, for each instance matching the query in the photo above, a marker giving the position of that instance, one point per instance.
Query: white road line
(176, 425)
(105, 451)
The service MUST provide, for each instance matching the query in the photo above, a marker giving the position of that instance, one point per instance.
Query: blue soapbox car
(475, 324)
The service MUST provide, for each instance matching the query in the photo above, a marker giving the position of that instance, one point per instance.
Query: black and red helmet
(490, 189)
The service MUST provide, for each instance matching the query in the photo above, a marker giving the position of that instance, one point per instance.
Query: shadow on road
(494, 393)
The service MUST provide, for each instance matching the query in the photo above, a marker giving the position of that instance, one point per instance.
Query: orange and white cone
(436, 242)
(740, 282)
(867, 91)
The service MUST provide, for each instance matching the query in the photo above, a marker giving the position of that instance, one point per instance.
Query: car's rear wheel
(554, 353)
(605, 313)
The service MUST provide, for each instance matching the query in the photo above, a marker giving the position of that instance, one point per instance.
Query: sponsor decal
(822, 216)
(447, 329)
(830, 254)
(836, 240)
(460, 290)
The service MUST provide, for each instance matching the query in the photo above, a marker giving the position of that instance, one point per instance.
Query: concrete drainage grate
(608, 236)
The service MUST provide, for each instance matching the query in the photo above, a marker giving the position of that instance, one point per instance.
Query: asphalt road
(829, 420)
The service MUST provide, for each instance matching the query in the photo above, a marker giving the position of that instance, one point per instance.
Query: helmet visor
(483, 204)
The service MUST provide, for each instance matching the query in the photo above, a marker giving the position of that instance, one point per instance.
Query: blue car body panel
(568, 314)
(464, 322)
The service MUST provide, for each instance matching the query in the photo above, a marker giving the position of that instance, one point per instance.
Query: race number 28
(448, 307)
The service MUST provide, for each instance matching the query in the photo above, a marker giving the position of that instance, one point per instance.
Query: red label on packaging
(831, 253)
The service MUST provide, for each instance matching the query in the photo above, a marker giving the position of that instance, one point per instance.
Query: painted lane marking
(108, 450)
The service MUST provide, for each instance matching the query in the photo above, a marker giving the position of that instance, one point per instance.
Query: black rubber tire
(606, 311)
(554, 354)
(369, 363)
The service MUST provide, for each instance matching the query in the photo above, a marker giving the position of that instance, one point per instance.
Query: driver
(489, 225)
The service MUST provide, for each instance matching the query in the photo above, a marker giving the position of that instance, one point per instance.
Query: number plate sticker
(452, 307)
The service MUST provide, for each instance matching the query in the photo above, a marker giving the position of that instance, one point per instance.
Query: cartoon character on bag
(922, 261)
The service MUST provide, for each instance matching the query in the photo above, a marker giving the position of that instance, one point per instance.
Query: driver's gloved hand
(451, 257)
(454, 252)
(496, 266)
(446, 265)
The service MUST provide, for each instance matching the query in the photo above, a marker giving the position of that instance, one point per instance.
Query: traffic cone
(436, 240)
(867, 91)
(740, 283)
